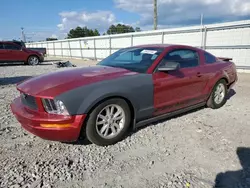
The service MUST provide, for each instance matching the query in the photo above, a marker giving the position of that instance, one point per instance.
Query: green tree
(51, 39)
(82, 32)
(96, 32)
(120, 28)
(137, 29)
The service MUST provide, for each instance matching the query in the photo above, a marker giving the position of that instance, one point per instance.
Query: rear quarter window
(209, 59)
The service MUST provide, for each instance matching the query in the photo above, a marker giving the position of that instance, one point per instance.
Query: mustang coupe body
(130, 88)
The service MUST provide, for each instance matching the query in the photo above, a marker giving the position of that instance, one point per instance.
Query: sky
(54, 18)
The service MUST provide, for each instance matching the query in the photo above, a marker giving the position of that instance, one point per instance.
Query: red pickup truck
(12, 52)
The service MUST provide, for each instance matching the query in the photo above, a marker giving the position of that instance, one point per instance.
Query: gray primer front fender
(138, 89)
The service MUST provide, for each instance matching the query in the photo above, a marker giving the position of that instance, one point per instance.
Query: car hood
(53, 84)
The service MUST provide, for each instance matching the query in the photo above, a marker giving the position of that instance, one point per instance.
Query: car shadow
(12, 80)
(45, 63)
(11, 64)
(81, 141)
(163, 120)
(19, 64)
(52, 60)
(230, 94)
(239, 178)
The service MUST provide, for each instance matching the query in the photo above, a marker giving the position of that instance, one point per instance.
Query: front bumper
(32, 120)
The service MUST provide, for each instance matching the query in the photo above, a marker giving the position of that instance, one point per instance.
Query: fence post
(162, 37)
(69, 49)
(110, 45)
(47, 44)
(205, 38)
(202, 38)
(54, 49)
(95, 50)
(80, 42)
(132, 40)
(61, 49)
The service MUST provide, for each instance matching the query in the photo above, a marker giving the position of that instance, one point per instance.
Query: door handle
(198, 74)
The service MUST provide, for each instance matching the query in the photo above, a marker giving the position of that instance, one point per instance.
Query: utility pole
(23, 35)
(201, 19)
(202, 37)
(155, 14)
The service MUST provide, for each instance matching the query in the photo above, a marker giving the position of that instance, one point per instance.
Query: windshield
(137, 59)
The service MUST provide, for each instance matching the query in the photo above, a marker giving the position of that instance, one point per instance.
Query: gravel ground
(191, 150)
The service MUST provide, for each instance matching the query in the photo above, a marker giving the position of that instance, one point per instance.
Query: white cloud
(100, 20)
(54, 36)
(42, 35)
(181, 12)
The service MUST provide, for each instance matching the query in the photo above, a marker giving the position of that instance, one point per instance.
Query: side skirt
(168, 115)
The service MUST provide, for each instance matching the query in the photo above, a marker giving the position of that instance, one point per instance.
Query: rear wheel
(33, 60)
(108, 122)
(218, 96)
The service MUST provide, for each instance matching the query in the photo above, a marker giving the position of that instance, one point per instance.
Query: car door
(180, 88)
(14, 52)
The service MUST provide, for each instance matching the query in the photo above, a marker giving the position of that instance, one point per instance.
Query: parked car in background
(12, 52)
(130, 88)
(41, 50)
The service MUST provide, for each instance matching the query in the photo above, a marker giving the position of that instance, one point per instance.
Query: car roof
(154, 45)
(7, 42)
(165, 46)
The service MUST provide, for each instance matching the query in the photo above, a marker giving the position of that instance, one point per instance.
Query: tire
(33, 60)
(214, 102)
(96, 133)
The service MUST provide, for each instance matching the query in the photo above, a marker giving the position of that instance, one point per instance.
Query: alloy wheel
(110, 121)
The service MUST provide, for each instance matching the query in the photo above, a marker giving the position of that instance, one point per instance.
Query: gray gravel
(194, 148)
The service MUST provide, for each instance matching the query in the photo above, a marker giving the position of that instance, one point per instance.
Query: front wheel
(108, 122)
(218, 96)
(33, 60)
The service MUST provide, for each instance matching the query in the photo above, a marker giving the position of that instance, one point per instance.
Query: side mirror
(169, 66)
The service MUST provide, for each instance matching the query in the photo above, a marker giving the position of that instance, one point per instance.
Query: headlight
(54, 107)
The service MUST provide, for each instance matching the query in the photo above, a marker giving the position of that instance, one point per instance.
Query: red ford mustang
(132, 87)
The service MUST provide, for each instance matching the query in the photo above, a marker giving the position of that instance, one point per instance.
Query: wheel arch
(224, 78)
(218, 76)
(214, 83)
(101, 100)
(31, 56)
(209, 99)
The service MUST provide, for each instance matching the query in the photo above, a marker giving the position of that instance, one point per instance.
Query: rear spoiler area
(225, 58)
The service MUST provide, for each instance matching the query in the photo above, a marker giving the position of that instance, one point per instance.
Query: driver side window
(185, 57)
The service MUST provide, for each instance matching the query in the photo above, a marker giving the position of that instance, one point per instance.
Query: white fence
(230, 39)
